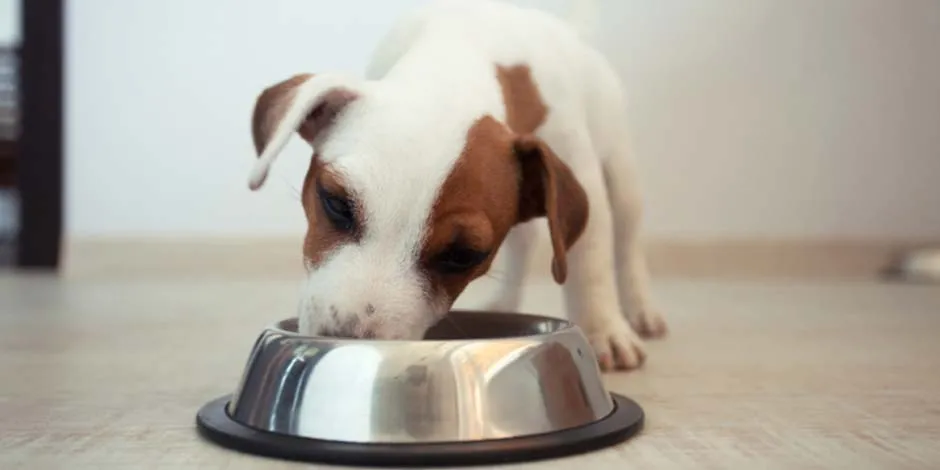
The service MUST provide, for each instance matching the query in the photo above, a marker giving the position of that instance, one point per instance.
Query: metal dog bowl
(481, 388)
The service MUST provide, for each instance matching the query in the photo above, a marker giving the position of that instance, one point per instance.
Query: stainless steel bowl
(478, 382)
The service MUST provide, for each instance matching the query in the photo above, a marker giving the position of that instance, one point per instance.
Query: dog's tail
(583, 16)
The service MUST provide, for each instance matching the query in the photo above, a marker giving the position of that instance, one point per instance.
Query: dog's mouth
(352, 328)
(347, 333)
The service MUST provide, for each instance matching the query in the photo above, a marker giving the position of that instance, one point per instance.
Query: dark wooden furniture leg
(39, 161)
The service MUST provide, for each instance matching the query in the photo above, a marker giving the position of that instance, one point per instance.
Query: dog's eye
(458, 259)
(337, 208)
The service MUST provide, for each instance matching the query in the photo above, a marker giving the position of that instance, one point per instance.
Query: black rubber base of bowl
(214, 423)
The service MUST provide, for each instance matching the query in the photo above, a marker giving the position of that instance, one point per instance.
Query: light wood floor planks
(108, 373)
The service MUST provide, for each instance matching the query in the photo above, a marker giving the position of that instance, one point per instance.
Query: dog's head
(404, 210)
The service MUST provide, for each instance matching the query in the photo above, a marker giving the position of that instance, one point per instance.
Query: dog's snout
(350, 327)
(355, 297)
(345, 332)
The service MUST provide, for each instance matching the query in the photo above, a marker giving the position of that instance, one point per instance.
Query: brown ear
(306, 104)
(550, 189)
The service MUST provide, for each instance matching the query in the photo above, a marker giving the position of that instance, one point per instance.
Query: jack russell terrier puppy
(474, 117)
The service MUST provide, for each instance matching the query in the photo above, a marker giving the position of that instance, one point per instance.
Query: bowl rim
(563, 326)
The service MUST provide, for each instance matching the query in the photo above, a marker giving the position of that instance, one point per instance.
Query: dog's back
(574, 79)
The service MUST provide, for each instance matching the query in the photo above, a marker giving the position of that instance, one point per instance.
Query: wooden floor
(108, 373)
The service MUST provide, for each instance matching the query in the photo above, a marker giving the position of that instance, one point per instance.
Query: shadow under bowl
(481, 387)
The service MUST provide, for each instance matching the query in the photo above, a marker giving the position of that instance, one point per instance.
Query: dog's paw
(649, 323)
(617, 346)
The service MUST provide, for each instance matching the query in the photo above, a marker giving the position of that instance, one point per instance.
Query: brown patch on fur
(505, 175)
(273, 102)
(321, 237)
(525, 110)
(479, 201)
(549, 188)
(477, 204)
(270, 107)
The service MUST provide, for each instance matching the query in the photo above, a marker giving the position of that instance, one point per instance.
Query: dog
(474, 118)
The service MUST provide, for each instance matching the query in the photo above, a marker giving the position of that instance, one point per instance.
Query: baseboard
(279, 258)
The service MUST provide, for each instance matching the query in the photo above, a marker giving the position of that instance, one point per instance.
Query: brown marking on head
(322, 236)
(476, 207)
(324, 105)
(273, 103)
(504, 176)
(270, 107)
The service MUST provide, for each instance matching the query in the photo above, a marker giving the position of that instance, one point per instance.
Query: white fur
(430, 79)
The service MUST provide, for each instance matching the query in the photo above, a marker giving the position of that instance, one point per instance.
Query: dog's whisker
(295, 192)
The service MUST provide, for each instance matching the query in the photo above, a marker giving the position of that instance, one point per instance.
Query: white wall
(750, 117)
(9, 21)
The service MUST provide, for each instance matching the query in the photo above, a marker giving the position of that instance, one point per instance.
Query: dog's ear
(306, 104)
(549, 188)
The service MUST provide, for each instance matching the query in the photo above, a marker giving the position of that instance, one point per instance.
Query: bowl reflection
(475, 376)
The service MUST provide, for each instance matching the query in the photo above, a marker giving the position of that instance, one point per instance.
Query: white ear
(306, 104)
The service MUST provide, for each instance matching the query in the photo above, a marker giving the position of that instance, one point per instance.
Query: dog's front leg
(591, 292)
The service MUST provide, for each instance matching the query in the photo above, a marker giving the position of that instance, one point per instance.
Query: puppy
(473, 118)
